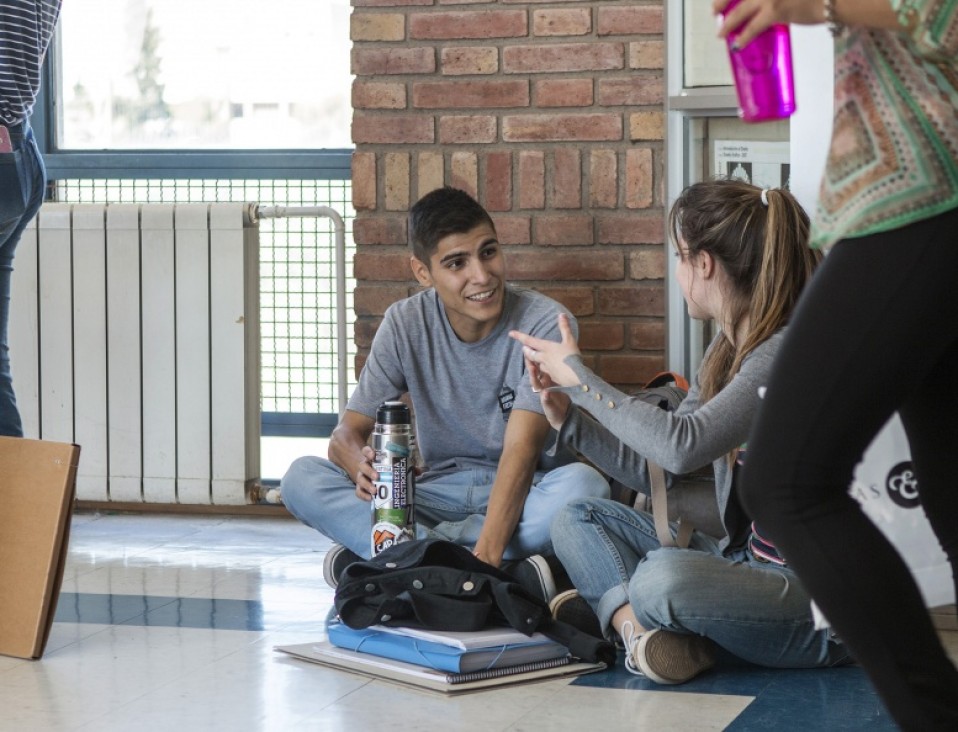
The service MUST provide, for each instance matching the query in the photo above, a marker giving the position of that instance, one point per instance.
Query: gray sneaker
(667, 657)
(337, 559)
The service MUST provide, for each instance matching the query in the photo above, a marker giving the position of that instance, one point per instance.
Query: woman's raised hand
(548, 357)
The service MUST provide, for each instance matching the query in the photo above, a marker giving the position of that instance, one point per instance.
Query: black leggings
(876, 332)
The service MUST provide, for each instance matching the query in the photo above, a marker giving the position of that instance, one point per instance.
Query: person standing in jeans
(26, 27)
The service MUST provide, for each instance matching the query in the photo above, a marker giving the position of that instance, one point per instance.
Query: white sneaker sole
(328, 562)
(544, 575)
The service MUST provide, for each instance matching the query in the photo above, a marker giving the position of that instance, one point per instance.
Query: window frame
(263, 164)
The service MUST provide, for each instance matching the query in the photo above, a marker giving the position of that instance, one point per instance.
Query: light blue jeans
(450, 505)
(22, 180)
(756, 610)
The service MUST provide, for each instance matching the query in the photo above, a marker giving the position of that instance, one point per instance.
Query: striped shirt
(763, 549)
(894, 153)
(26, 27)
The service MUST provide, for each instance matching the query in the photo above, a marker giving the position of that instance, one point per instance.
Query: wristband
(835, 27)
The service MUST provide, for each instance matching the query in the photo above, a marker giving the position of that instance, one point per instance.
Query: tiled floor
(169, 623)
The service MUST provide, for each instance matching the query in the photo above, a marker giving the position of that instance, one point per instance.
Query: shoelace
(631, 640)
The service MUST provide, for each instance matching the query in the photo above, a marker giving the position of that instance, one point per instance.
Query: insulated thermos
(763, 74)
(393, 517)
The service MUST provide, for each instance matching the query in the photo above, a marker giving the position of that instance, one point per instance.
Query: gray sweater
(626, 431)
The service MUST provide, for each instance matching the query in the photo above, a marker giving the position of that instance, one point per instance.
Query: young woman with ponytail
(743, 262)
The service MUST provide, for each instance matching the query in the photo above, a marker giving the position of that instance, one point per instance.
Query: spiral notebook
(399, 672)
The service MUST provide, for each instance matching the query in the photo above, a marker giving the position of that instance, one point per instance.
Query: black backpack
(437, 584)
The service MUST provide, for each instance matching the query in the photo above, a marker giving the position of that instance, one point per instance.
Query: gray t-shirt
(462, 393)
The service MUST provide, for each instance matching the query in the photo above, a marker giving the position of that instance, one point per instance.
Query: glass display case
(706, 139)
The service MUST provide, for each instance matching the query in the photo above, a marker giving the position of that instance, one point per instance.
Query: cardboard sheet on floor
(410, 674)
(37, 485)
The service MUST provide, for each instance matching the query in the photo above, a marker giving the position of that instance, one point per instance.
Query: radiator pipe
(281, 212)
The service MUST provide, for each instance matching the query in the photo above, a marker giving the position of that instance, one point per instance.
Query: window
(220, 100)
(204, 74)
(702, 130)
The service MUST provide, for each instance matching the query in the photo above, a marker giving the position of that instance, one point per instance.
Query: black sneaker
(337, 559)
(534, 574)
(559, 575)
(571, 608)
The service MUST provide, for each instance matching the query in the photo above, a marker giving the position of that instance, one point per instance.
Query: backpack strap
(660, 508)
(660, 511)
(522, 611)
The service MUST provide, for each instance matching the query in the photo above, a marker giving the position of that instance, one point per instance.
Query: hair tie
(765, 197)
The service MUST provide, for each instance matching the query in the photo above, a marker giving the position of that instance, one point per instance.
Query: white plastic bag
(885, 485)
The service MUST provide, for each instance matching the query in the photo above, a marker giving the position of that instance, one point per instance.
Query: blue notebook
(442, 652)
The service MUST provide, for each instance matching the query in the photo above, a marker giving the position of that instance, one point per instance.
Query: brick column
(553, 118)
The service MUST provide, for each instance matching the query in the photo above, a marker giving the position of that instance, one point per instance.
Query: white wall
(811, 124)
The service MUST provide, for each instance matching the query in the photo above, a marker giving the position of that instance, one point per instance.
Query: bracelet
(835, 27)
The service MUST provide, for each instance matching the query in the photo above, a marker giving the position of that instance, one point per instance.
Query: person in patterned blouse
(876, 333)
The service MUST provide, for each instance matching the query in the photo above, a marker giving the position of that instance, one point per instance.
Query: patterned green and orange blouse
(894, 151)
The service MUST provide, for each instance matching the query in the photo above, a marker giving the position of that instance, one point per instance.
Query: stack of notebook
(443, 661)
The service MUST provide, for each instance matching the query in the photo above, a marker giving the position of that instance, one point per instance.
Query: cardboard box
(37, 484)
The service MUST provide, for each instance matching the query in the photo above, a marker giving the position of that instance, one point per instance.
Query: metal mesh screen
(297, 275)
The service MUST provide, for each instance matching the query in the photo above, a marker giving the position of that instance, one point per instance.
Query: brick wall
(553, 118)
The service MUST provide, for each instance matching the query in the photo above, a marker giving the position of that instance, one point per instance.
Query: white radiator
(134, 333)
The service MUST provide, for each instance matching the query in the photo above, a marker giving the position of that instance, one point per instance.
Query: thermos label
(392, 504)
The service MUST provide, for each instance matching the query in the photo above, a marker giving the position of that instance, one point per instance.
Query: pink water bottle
(763, 74)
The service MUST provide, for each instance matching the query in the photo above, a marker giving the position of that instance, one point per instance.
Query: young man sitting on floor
(487, 482)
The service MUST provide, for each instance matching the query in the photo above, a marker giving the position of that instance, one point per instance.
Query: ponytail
(787, 264)
(761, 240)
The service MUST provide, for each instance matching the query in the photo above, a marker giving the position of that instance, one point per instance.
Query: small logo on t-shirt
(507, 397)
